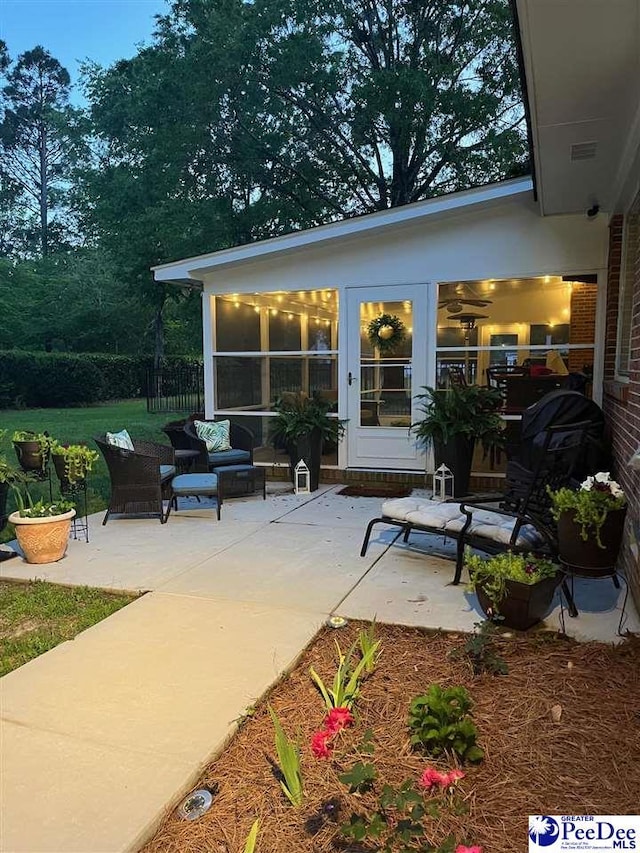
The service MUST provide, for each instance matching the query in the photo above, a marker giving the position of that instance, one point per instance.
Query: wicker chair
(140, 478)
(240, 438)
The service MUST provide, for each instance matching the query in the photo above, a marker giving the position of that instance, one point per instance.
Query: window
(630, 273)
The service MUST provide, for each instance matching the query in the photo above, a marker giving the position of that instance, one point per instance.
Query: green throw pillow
(120, 439)
(215, 434)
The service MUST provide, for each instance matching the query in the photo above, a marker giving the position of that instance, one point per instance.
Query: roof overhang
(582, 67)
(190, 271)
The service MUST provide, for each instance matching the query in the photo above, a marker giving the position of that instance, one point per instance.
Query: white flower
(603, 477)
(587, 485)
(616, 491)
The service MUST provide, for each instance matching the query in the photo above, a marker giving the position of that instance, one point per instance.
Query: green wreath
(386, 333)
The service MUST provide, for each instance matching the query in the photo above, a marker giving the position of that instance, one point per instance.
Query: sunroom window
(267, 345)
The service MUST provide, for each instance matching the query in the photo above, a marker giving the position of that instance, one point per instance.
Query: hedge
(41, 380)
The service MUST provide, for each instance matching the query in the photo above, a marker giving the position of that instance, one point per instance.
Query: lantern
(301, 481)
(442, 483)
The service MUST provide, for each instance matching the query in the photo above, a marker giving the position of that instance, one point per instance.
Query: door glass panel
(385, 370)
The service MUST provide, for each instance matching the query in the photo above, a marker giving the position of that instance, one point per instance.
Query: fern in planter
(470, 412)
(299, 415)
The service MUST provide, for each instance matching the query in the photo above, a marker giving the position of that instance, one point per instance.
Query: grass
(77, 425)
(36, 616)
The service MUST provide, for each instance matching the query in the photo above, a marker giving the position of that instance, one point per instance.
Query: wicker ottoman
(238, 480)
(195, 486)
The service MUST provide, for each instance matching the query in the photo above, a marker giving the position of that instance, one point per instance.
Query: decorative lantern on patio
(301, 481)
(443, 486)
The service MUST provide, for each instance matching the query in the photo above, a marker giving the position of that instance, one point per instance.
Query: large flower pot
(587, 557)
(524, 605)
(457, 455)
(309, 448)
(43, 540)
(30, 455)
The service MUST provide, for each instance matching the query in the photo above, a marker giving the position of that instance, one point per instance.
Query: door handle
(351, 378)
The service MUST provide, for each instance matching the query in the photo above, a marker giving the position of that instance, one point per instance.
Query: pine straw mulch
(588, 763)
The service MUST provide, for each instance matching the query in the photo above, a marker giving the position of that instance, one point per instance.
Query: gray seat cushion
(167, 471)
(229, 457)
(195, 484)
(447, 518)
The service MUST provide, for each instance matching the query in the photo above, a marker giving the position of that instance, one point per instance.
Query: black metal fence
(176, 389)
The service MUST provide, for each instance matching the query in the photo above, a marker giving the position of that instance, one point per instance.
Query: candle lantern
(301, 479)
(443, 483)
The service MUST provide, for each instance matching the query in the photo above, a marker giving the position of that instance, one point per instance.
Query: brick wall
(622, 402)
(583, 321)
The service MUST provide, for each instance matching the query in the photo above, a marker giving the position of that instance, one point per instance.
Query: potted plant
(10, 478)
(590, 523)
(42, 529)
(516, 588)
(72, 463)
(32, 450)
(301, 427)
(453, 420)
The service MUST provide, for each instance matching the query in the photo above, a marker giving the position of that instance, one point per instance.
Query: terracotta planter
(587, 557)
(524, 605)
(43, 540)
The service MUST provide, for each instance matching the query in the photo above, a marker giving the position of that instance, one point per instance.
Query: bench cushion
(195, 484)
(447, 518)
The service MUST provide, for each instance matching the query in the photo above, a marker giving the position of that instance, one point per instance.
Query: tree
(357, 105)
(38, 134)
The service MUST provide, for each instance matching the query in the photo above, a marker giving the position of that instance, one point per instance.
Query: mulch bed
(588, 763)
(376, 490)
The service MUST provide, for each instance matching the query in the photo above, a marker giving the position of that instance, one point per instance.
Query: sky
(75, 30)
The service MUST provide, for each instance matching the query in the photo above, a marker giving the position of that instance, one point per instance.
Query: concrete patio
(102, 734)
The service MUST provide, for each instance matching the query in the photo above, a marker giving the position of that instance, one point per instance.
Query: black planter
(588, 557)
(309, 448)
(457, 455)
(66, 487)
(4, 491)
(30, 456)
(524, 605)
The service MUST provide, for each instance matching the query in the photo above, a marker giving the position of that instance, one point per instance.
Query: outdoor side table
(238, 480)
(195, 486)
(185, 459)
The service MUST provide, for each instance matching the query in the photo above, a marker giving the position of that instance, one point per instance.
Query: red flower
(432, 777)
(454, 776)
(338, 719)
(462, 849)
(320, 744)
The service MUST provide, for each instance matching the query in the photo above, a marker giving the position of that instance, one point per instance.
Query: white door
(382, 383)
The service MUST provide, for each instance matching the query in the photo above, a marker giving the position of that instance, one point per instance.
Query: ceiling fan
(455, 305)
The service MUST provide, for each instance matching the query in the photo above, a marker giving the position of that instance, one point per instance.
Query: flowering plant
(492, 574)
(591, 503)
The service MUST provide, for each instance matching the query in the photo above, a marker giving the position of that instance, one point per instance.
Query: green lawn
(35, 617)
(81, 425)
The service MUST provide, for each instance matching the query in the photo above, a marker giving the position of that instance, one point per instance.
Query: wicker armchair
(240, 438)
(140, 478)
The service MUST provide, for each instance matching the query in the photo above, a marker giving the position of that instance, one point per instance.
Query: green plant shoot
(289, 759)
(346, 682)
(250, 844)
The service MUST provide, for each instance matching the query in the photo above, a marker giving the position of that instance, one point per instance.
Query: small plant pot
(524, 605)
(61, 470)
(587, 557)
(30, 455)
(43, 540)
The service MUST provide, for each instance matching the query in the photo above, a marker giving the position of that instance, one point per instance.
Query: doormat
(376, 490)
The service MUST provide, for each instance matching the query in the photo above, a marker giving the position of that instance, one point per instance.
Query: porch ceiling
(582, 66)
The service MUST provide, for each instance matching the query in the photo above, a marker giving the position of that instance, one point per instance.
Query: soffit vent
(583, 150)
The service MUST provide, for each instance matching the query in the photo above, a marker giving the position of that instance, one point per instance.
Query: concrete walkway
(100, 735)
